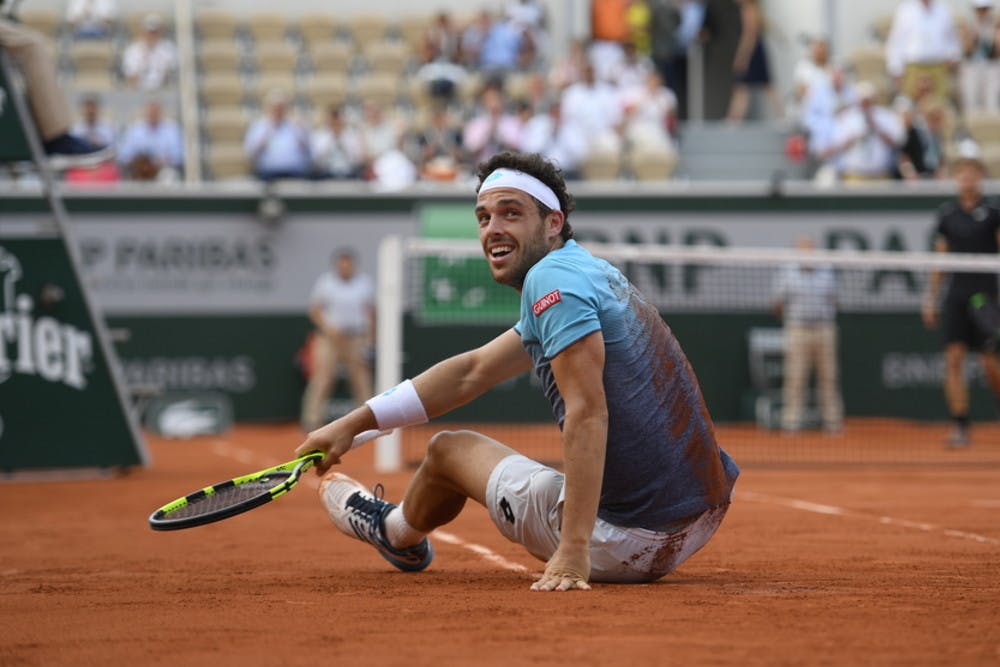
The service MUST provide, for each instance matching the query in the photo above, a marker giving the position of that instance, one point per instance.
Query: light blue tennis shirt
(662, 463)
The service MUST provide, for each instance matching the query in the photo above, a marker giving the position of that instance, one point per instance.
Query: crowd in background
(621, 89)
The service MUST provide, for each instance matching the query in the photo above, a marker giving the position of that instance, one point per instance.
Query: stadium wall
(209, 288)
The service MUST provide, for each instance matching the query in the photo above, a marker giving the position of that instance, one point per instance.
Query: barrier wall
(211, 289)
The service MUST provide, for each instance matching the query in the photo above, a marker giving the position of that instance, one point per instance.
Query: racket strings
(228, 496)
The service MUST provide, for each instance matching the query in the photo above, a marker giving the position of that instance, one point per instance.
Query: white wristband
(398, 407)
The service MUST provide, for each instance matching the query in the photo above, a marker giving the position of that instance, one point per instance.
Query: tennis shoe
(958, 438)
(358, 513)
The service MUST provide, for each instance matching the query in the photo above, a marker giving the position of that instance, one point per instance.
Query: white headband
(518, 180)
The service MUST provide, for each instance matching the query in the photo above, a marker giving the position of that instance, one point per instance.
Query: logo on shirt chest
(546, 302)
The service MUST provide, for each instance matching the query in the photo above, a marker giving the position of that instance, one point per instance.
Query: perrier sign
(59, 407)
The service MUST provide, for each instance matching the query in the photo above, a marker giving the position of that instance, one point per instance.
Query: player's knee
(443, 449)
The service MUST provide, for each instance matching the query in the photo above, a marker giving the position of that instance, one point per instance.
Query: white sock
(399, 532)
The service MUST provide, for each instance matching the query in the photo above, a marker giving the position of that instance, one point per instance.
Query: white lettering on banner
(235, 374)
(54, 351)
(904, 370)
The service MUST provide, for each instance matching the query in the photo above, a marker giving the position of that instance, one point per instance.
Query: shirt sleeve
(562, 307)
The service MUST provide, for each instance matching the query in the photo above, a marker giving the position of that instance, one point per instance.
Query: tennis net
(436, 298)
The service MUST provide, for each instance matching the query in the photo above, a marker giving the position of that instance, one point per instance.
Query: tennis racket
(240, 494)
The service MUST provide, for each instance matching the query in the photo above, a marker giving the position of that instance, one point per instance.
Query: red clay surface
(839, 566)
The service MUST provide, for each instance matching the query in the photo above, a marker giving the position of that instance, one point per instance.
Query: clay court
(832, 565)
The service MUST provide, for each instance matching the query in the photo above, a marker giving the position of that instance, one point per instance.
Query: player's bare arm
(579, 371)
(441, 388)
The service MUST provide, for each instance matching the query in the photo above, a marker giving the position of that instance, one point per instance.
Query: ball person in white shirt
(342, 309)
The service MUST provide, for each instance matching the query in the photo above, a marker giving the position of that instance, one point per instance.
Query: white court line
(226, 449)
(832, 510)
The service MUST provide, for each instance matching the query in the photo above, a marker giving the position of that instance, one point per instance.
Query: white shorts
(525, 501)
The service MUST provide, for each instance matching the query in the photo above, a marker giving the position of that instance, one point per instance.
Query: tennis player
(970, 224)
(645, 484)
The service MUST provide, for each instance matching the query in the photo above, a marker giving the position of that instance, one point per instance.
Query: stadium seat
(267, 27)
(132, 23)
(991, 159)
(331, 57)
(868, 63)
(222, 89)
(273, 81)
(652, 163)
(219, 56)
(602, 164)
(983, 127)
(327, 89)
(92, 82)
(412, 30)
(44, 21)
(216, 24)
(227, 161)
(317, 29)
(381, 89)
(275, 58)
(389, 57)
(92, 56)
(225, 125)
(367, 28)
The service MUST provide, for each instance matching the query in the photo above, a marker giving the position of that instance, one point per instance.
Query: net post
(389, 304)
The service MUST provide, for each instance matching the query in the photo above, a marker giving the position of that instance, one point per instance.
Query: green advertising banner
(13, 145)
(58, 404)
(460, 290)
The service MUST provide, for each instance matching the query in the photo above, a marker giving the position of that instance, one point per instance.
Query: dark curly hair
(539, 167)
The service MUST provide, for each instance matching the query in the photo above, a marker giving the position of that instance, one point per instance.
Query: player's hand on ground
(333, 440)
(565, 572)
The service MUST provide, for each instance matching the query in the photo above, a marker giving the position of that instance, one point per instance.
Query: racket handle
(365, 436)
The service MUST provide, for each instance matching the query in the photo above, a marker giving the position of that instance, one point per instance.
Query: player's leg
(991, 367)
(457, 466)
(956, 392)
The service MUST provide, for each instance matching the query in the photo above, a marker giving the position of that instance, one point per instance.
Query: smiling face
(513, 234)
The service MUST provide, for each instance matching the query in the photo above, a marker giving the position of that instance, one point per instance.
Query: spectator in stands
(639, 18)
(90, 127)
(440, 76)
(336, 147)
(530, 16)
(922, 40)
(594, 107)
(922, 153)
(634, 69)
(980, 73)
(442, 39)
(823, 102)
(966, 224)
(813, 70)
(276, 143)
(380, 134)
(341, 307)
(35, 57)
(438, 146)
(805, 298)
(492, 130)
(473, 37)
(504, 48)
(866, 137)
(609, 30)
(92, 19)
(150, 62)
(751, 66)
(650, 113)
(549, 134)
(721, 28)
(568, 69)
(676, 26)
(152, 147)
